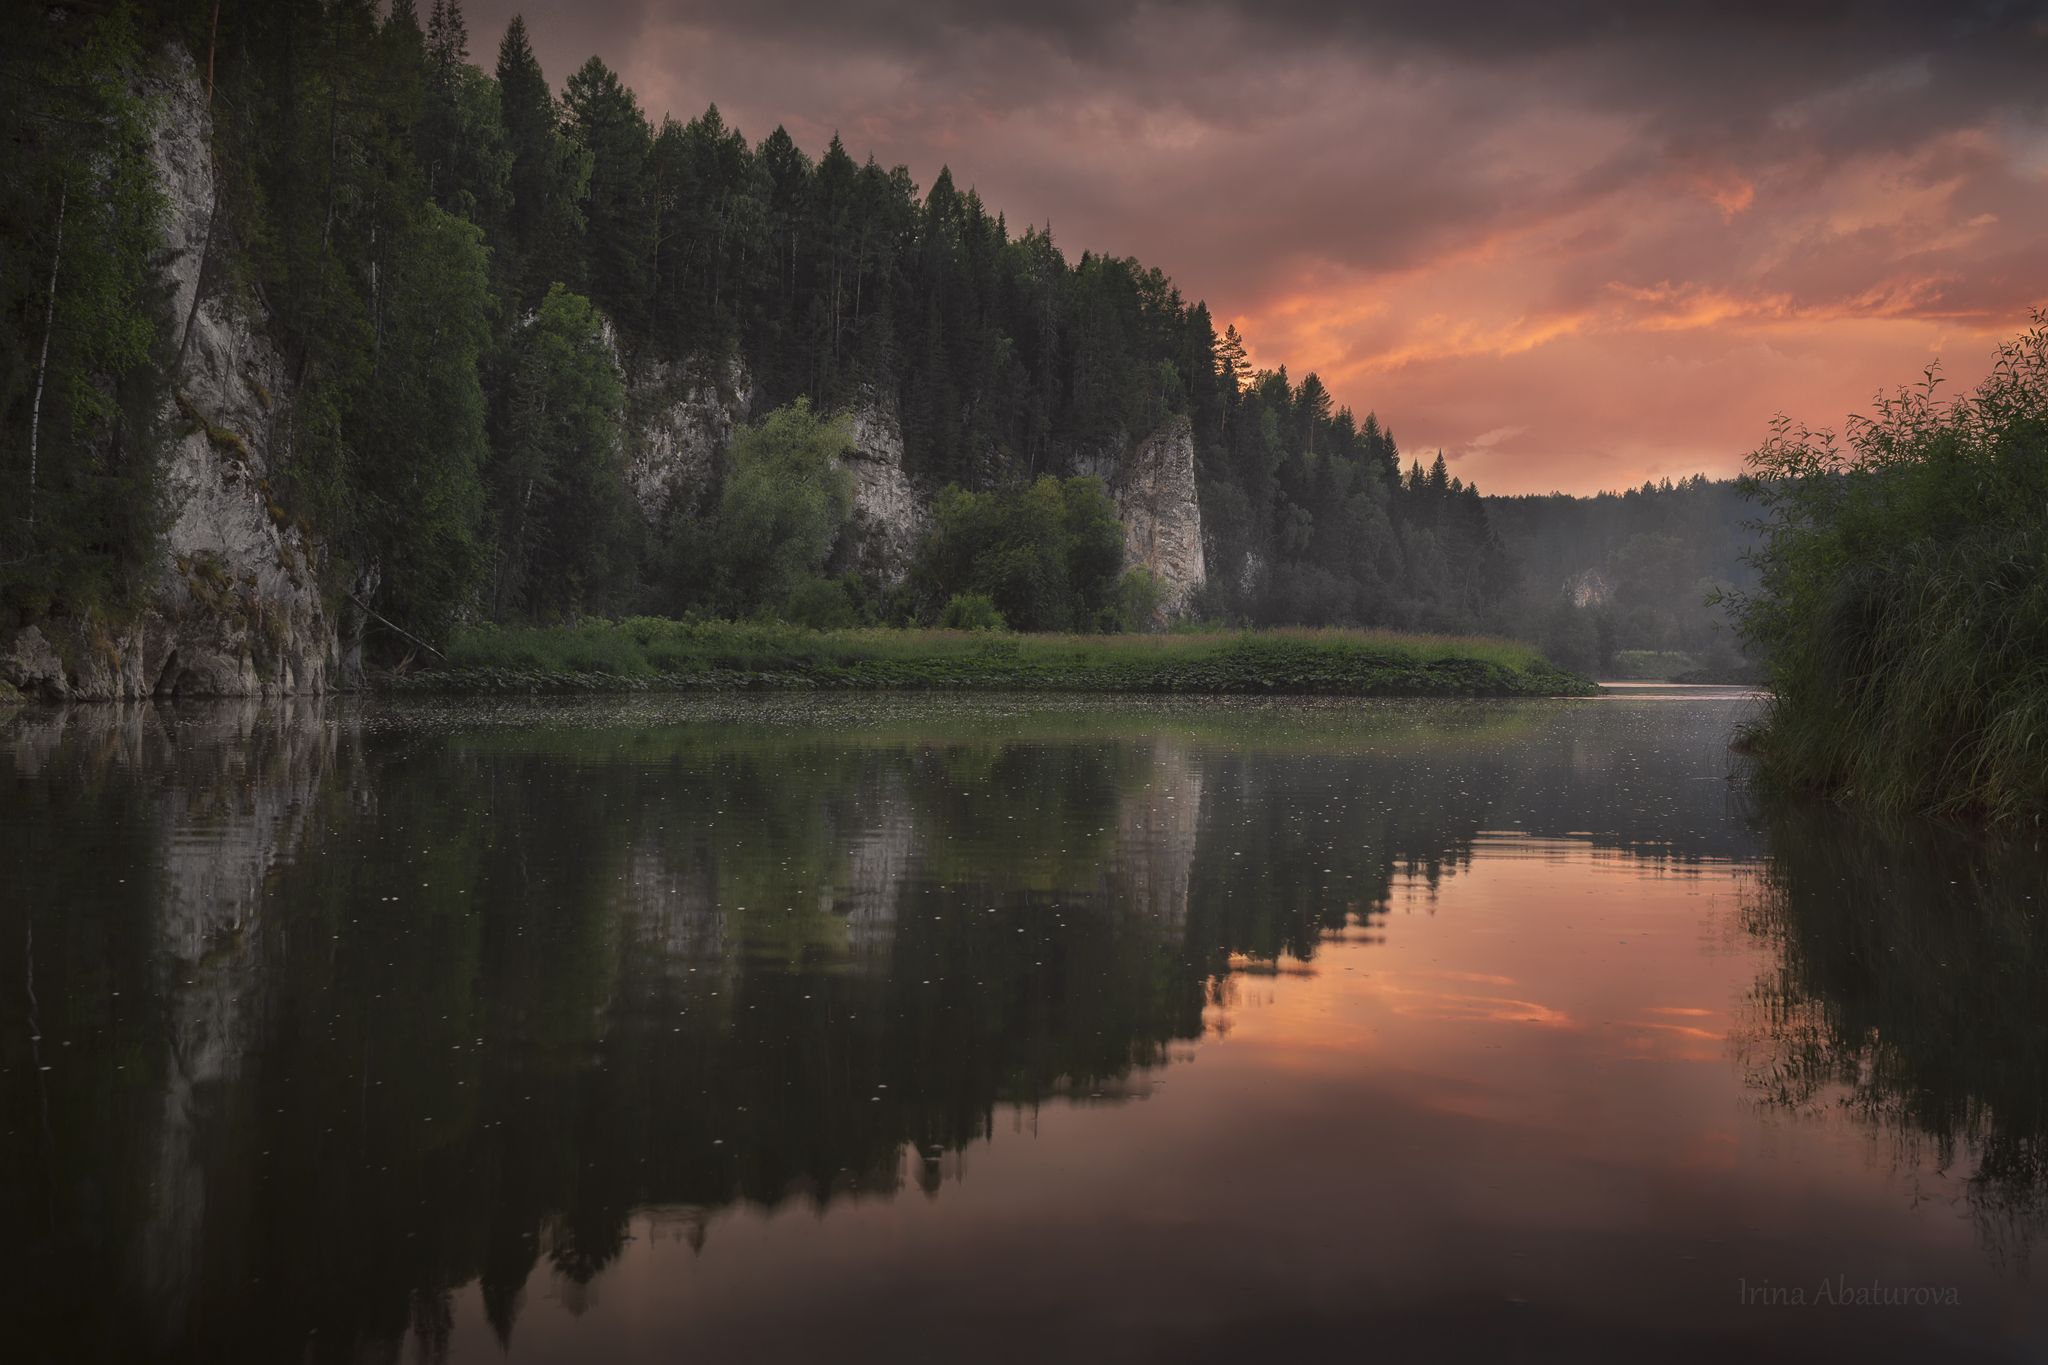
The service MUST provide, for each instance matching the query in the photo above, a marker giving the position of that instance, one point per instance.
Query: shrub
(782, 506)
(820, 604)
(1048, 556)
(1139, 594)
(1902, 606)
(971, 611)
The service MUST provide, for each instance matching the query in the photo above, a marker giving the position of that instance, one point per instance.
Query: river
(796, 1028)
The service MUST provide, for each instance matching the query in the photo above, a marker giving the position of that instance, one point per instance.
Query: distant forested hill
(1631, 572)
(457, 258)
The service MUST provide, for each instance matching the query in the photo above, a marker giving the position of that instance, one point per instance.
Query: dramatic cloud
(1572, 245)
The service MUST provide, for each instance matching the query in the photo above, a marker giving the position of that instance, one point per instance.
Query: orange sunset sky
(1572, 245)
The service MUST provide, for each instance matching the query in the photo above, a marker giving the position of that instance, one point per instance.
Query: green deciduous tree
(786, 498)
(1048, 555)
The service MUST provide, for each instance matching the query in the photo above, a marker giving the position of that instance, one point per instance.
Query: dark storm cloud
(1487, 219)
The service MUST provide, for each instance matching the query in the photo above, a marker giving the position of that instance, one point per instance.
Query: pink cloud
(1570, 255)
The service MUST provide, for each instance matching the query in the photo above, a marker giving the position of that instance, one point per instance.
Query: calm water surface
(826, 1028)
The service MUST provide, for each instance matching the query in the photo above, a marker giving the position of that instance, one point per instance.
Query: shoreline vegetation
(1902, 611)
(654, 654)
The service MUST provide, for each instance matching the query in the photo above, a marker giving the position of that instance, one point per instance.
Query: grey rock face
(1155, 497)
(240, 600)
(32, 665)
(237, 610)
(890, 512)
(680, 420)
(1589, 588)
(679, 424)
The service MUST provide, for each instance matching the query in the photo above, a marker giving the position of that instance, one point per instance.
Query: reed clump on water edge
(1902, 607)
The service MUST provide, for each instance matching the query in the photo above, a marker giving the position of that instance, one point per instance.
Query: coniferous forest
(455, 250)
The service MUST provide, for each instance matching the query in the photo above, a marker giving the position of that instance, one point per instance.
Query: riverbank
(652, 654)
(1902, 602)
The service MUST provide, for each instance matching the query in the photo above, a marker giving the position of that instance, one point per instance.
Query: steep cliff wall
(890, 511)
(237, 610)
(680, 420)
(679, 423)
(1155, 497)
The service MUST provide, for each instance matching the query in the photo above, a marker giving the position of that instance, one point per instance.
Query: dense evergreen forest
(451, 252)
(1640, 573)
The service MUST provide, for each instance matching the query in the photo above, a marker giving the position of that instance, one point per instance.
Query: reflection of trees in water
(1912, 968)
(402, 1010)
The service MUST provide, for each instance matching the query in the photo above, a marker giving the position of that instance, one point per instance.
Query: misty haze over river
(999, 1028)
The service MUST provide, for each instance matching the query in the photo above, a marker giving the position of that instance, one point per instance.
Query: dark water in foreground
(805, 1028)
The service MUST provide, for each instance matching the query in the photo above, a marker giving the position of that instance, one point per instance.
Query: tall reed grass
(1903, 600)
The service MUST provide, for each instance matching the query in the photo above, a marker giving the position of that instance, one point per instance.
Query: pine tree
(620, 225)
(1312, 403)
(1231, 362)
(548, 177)
(447, 37)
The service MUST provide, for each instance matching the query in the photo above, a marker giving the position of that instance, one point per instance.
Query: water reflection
(346, 1016)
(1905, 987)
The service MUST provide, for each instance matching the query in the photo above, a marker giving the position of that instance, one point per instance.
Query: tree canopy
(444, 251)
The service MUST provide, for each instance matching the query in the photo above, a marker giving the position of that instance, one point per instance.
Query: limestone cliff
(1155, 497)
(237, 610)
(679, 423)
(890, 512)
(680, 420)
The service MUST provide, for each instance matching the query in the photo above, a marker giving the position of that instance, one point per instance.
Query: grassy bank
(1903, 606)
(649, 653)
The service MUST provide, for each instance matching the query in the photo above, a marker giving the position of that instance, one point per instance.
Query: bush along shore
(647, 654)
(1903, 602)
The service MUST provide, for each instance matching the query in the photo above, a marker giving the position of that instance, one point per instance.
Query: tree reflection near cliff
(358, 1020)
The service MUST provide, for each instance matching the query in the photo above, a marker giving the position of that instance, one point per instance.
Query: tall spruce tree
(618, 209)
(549, 176)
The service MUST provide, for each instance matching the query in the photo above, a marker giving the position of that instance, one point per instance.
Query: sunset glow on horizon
(1574, 248)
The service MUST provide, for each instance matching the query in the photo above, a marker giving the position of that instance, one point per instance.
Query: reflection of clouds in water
(934, 929)
(1419, 1002)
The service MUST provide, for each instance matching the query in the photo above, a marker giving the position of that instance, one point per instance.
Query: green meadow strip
(646, 653)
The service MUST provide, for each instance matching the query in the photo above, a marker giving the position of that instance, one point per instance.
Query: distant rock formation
(1589, 588)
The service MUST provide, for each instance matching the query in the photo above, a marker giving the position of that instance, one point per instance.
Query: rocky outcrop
(1155, 497)
(237, 610)
(680, 420)
(241, 612)
(1588, 588)
(679, 424)
(890, 512)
